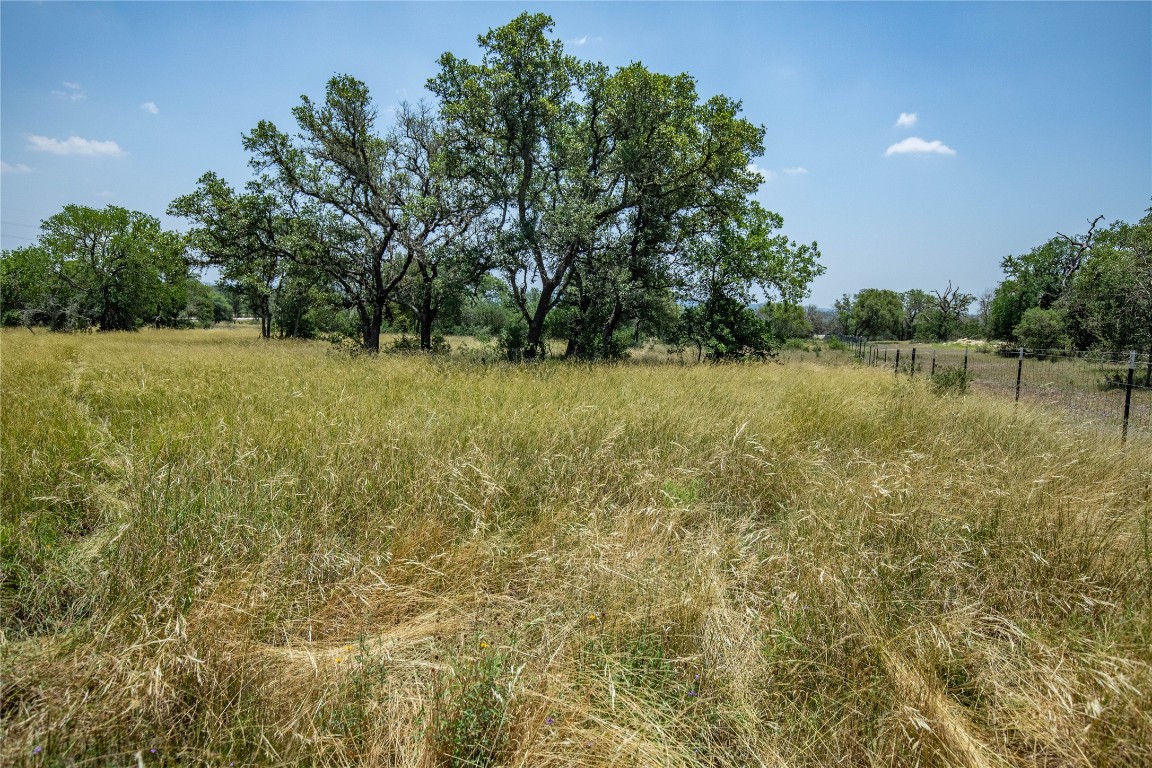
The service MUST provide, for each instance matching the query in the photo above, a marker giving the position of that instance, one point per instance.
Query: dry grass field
(219, 551)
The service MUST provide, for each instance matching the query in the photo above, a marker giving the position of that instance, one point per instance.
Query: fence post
(933, 373)
(912, 368)
(1128, 395)
(965, 358)
(897, 369)
(1019, 372)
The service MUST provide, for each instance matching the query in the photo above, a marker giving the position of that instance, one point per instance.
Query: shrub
(951, 381)
(1042, 329)
(345, 345)
(406, 344)
(410, 345)
(512, 340)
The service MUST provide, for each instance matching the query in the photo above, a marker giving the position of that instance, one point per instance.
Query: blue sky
(918, 143)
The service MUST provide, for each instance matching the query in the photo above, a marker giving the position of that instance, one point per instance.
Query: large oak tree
(583, 168)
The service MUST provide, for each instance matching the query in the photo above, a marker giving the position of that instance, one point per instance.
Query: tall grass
(230, 551)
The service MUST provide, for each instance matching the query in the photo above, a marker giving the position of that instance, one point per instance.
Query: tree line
(592, 204)
(110, 269)
(880, 313)
(1088, 291)
(540, 197)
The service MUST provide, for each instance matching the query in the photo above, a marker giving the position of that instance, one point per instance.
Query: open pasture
(218, 551)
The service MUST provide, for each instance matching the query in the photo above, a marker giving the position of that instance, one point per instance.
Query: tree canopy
(110, 268)
(1095, 290)
(604, 201)
(600, 185)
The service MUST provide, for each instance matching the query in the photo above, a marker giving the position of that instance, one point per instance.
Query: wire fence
(1112, 391)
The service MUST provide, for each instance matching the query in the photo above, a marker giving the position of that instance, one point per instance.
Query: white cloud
(150, 107)
(585, 40)
(906, 120)
(106, 194)
(763, 173)
(18, 168)
(767, 174)
(71, 92)
(74, 145)
(914, 145)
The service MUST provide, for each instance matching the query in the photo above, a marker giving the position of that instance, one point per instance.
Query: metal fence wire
(1112, 391)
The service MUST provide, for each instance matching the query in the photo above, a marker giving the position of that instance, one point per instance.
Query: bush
(410, 344)
(440, 345)
(951, 381)
(1042, 329)
(799, 344)
(512, 340)
(406, 344)
(345, 345)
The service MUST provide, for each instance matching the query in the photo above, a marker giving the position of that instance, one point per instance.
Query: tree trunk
(297, 318)
(427, 323)
(535, 342)
(372, 331)
(371, 319)
(534, 346)
(372, 336)
(609, 330)
(266, 318)
(425, 316)
(575, 346)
